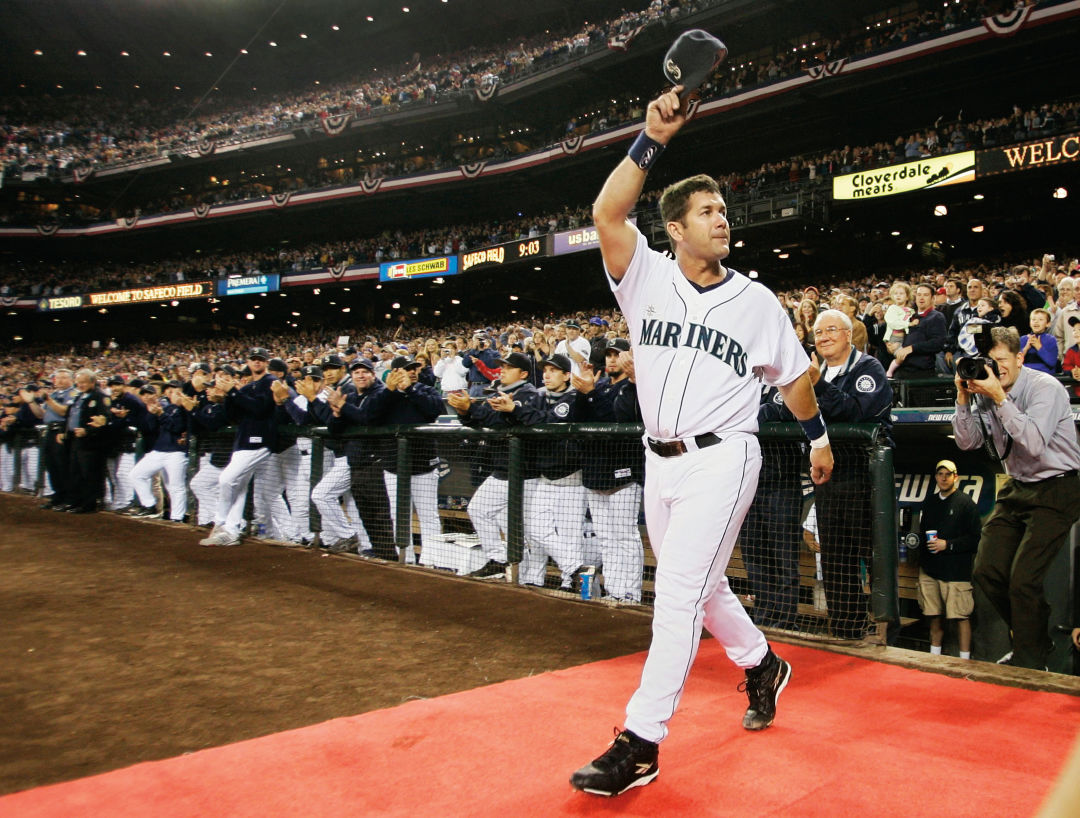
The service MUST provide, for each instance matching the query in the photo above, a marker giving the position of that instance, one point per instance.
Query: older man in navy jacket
(851, 388)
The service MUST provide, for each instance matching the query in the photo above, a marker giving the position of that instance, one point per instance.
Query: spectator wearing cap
(126, 417)
(314, 392)
(574, 347)
(555, 500)
(945, 591)
(368, 406)
(1039, 347)
(164, 426)
(613, 472)
(597, 338)
(414, 403)
(515, 401)
(481, 364)
(251, 408)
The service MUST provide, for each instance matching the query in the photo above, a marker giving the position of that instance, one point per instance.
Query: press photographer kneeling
(1023, 418)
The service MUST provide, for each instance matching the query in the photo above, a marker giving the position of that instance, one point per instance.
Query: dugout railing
(562, 514)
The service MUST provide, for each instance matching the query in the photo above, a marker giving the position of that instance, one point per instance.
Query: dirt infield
(125, 641)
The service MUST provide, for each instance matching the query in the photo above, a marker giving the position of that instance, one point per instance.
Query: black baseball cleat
(629, 762)
(492, 569)
(147, 513)
(763, 686)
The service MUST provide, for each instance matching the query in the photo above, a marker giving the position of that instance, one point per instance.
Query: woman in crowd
(1014, 312)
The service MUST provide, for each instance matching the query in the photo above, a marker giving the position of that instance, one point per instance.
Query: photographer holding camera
(1023, 419)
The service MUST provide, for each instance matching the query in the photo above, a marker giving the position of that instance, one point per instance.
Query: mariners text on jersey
(655, 332)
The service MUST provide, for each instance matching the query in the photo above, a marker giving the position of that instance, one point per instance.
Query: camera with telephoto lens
(979, 367)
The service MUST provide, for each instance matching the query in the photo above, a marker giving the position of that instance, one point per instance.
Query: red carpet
(853, 738)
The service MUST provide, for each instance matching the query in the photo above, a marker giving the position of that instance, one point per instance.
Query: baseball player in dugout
(1022, 418)
(704, 338)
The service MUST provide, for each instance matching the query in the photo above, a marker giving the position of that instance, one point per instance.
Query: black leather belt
(673, 448)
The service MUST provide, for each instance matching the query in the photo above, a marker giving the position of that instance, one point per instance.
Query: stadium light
(941, 210)
(978, 228)
(1060, 193)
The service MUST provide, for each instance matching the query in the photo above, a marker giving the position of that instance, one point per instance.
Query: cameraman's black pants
(1028, 526)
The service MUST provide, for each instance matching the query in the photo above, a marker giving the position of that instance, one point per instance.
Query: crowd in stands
(54, 135)
(38, 277)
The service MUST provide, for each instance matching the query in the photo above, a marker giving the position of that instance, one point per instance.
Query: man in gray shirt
(1023, 418)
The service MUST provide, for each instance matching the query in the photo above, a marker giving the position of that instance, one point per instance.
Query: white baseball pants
(615, 522)
(204, 485)
(174, 467)
(424, 493)
(694, 507)
(554, 515)
(232, 487)
(487, 511)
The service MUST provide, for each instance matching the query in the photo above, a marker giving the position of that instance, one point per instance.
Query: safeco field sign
(921, 174)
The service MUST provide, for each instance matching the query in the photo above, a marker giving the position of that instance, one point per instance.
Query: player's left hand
(821, 465)
(585, 381)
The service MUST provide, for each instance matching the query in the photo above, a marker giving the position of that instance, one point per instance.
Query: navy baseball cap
(572, 325)
(277, 365)
(619, 345)
(202, 366)
(258, 354)
(115, 380)
(559, 361)
(136, 383)
(332, 361)
(361, 363)
(312, 371)
(147, 390)
(351, 351)
(401, 362)
(245, 370)
(518, 360)
(174, 384)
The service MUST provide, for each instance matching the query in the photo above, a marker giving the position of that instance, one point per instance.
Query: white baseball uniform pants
(232, 487)
(615, 522)
(7, 467)
(326, 496)
(424, 494)
(487, 511)
(694, 507)
(173, 465)
(270, 511)
(118, 480)
(297, 466)
(204, 485)
(27, 458)
(554, 515)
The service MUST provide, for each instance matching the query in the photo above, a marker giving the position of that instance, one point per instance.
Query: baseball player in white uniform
(704, 338)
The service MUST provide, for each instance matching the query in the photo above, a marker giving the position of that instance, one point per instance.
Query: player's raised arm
(663, 119)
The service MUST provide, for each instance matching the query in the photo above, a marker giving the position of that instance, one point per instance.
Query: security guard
(85, 439)
(412, 402)
(516, 399)
(368, 406)
(613, 471)
(54, 415)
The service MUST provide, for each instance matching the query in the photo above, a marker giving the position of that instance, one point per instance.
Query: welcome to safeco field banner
(920, 174)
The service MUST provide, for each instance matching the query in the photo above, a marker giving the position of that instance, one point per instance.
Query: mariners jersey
(252, 409)
(699, 355)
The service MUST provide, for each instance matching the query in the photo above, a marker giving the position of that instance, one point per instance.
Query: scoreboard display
(501, 255)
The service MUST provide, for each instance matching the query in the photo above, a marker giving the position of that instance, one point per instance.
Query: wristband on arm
(815, 431)
(645, 151)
